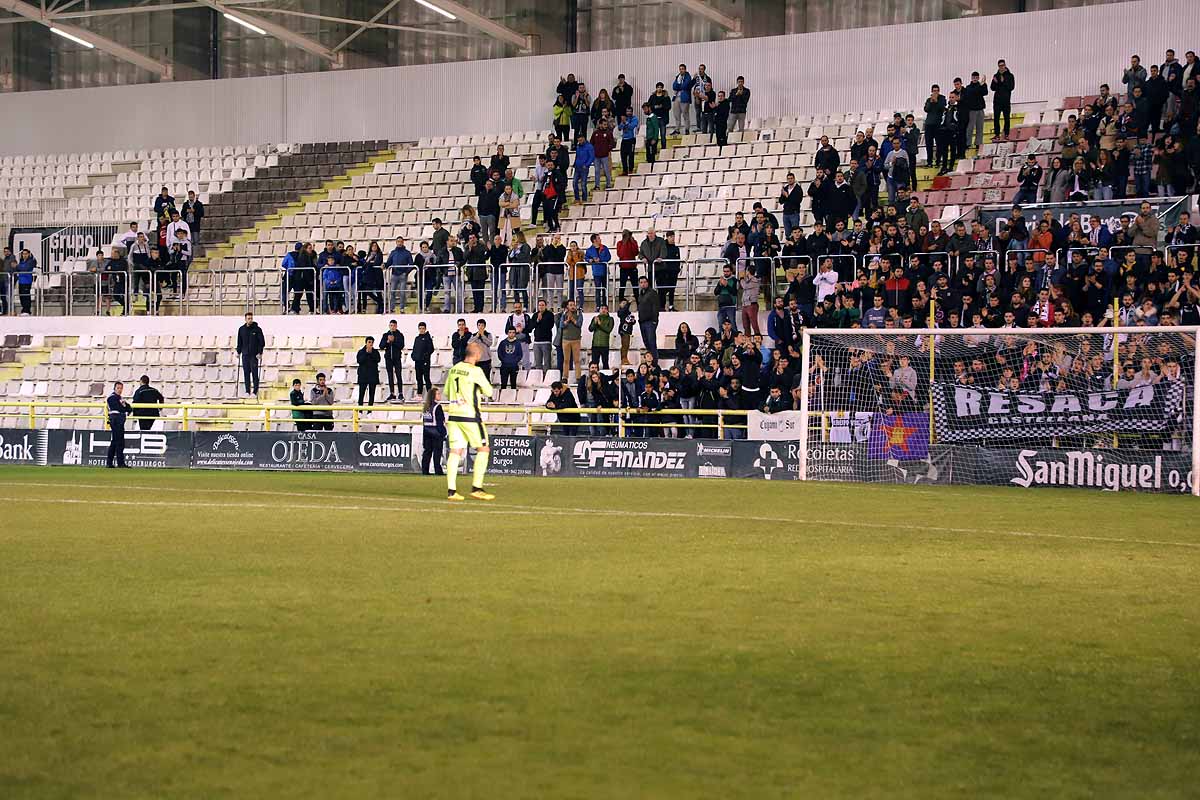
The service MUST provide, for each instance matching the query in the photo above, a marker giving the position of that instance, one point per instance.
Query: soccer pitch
(217, 634)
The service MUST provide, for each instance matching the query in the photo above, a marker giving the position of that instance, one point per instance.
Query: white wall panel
(1052, 53)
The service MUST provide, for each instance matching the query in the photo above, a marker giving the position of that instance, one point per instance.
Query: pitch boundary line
(440, 505)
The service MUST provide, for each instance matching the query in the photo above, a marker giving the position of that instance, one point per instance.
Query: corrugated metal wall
(1052, 53)
(612, 24)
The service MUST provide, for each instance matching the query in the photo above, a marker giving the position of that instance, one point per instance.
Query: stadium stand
(261, 201)
(292, 172)
(117, 186)
(76, 361)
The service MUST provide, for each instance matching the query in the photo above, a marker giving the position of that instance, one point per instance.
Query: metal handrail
(694, 278)
(308, 294)
(349, 299)
(779, 276)
(94, 279)
(842, 257)
(28, 411)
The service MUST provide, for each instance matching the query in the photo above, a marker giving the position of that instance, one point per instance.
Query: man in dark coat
(193, 214)
(560, 399)
(118, 410)
(368, 371)
(145, 393)
(622, 97)
(250, 346)
(422, 356)
(392, 345)
(1002, 85)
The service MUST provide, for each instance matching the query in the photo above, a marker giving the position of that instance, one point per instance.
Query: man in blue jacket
(629, 128)
(512, 353)
(400, 261)
(26, 272)
(598, 256)
(287, 267)
(118, 410)
(682, 87)
(585, 156)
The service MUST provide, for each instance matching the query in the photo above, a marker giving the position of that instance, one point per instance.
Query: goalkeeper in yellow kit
(466, 385)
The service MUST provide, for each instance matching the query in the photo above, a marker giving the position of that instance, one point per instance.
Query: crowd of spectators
(862, 263)
(1138, 145)
(1029, 272)
(133, 263)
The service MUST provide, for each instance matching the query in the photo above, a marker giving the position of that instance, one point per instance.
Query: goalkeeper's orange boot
(455, 497)
(480, 494)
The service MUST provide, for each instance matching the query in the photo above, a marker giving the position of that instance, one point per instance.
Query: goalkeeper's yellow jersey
(466, 385)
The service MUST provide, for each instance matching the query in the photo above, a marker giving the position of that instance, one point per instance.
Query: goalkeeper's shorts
(462, 433)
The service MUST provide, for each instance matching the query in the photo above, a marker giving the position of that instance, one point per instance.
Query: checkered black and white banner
(969, 413)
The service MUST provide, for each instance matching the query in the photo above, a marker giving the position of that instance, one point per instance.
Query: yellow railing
(274, 414)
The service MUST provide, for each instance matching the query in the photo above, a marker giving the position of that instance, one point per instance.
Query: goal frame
(833, 333)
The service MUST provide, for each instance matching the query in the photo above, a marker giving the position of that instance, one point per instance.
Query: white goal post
(1114, 408)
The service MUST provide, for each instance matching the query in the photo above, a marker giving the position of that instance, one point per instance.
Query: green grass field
(215, 634)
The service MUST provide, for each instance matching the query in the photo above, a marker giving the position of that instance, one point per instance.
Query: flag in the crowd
(903, 437)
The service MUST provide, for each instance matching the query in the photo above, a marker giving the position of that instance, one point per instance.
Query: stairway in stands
(927, 177)
(309, 172)
(620, 181)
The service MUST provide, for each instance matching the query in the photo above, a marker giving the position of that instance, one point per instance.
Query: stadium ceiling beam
(492, 28)
(115, 49)
(61, 13)
(369, 25)
(274, 29)
(357, 31)
(703, 9)
(57, 7)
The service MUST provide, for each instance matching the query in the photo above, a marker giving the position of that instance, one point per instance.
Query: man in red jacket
(603, 144)
(627, 254)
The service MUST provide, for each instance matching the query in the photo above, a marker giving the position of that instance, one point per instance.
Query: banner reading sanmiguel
(1111, 470)
(967, 413)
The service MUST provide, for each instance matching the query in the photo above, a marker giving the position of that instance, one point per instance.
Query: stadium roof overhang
(250, 14)
(702, 9)
(43, 16)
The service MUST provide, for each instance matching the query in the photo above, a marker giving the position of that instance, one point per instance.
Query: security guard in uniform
(118, 410)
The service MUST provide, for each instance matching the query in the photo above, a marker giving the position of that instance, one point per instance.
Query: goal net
(1105, 408)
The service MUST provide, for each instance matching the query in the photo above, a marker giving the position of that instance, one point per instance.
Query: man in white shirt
(826, 280)
(177, 224)
(124, 239)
